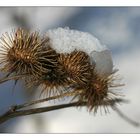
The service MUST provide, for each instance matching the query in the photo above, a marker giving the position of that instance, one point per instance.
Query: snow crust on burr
(65, 40)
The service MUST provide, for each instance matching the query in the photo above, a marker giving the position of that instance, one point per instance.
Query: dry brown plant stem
(13, 112)
(16, 111)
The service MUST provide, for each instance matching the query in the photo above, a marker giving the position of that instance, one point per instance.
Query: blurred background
(118, 28)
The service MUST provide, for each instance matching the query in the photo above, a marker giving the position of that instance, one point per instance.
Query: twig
(12, 113)
(126, 118)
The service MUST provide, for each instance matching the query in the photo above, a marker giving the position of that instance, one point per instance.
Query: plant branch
(12, 113)
(15, 112)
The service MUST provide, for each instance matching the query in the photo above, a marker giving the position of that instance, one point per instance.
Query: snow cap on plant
(99, 75)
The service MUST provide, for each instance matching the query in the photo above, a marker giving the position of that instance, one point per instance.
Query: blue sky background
(118, 28)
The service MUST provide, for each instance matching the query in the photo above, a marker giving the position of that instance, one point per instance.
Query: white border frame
(70, 3)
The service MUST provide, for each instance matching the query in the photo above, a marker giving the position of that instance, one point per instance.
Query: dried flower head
(76, 66)
(99, 92)
(27, 53)
(53, 83)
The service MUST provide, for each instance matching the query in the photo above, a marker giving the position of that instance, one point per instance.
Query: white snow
(103, 61)
(64, 40)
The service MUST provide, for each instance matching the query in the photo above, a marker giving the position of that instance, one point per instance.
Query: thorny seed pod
(53, 83)
(99, 90)
(22, 52)
(76, 66)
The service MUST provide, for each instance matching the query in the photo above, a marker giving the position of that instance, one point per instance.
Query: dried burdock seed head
(23, 52)
(54, 82)
(101, 89)
(98, 93)
(76, 66)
